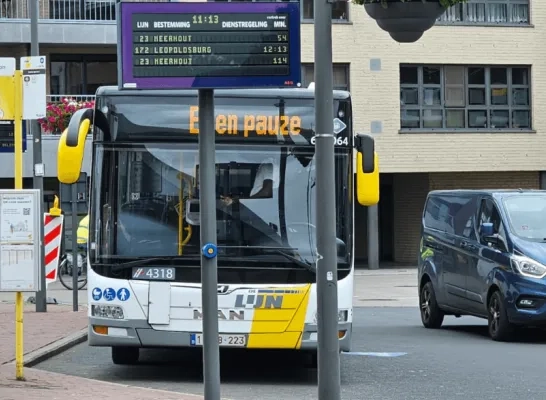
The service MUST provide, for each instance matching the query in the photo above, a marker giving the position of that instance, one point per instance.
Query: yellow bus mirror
(367, 184)
(71, 148)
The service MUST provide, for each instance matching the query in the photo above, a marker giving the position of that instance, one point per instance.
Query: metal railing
(62, 10)
(488, 12)
(54, 98)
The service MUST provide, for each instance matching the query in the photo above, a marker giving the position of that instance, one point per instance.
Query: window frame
(466, 107)
(334, 21)
(84, 60)
(464, 14)
(485, 202)
(345, 66)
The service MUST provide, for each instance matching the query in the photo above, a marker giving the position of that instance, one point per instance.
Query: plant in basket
(58, 114)
(406, 20)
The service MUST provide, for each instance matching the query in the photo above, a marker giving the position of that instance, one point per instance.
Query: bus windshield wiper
(299, 262)
(280, 251)
(141, 261)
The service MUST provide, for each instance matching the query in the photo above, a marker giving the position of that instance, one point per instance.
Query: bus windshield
(146, 202)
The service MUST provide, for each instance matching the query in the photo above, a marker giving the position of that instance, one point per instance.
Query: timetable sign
(209, 45)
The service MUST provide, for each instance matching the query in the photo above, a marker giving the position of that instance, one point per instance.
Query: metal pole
(38, 181)
(373, 237)
(209, 267)
(74, 247)
(329, 381)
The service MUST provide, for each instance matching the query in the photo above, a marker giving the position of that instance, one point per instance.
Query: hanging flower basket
(58, 114)
(406, 20)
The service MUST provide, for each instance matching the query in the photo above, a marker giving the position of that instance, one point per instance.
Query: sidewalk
(47, 334)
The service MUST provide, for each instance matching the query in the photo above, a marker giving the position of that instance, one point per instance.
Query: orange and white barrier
(53, 229)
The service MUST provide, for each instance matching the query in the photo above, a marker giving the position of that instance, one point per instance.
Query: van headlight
(528, 267)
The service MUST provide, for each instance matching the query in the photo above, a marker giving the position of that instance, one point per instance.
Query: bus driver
(263, 183)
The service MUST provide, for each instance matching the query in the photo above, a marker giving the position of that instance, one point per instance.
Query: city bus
(144, 243)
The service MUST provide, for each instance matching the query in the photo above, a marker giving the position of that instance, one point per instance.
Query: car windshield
(148, 202)
(527, 215)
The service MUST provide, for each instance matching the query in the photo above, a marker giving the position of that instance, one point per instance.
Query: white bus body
(135, 313)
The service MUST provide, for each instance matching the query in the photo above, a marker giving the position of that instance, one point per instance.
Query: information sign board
(208, 45)
(34, 87)
(7, 136)
(19, 240)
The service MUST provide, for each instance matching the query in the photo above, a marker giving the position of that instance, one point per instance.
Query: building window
(488, 12)
(340, 10)
(81, 74)
(341, 75)
(465, 97)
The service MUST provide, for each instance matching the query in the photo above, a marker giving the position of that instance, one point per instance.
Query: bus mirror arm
(72, 143)
(365, 144)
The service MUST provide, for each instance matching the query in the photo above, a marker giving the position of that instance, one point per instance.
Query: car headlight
(528, 267)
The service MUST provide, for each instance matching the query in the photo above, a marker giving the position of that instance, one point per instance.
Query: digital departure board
(7, 136)
(179, 45)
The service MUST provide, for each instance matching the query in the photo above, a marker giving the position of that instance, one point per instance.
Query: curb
(51, 350)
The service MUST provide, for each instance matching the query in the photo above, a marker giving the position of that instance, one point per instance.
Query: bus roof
(295, 93)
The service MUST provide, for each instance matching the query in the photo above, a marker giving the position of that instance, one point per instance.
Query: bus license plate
(224, 340)
(154, 273)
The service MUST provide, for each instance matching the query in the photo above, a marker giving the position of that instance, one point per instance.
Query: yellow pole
(181, 215)
(18, 156)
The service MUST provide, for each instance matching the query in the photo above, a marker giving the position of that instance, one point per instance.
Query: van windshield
(527, 215)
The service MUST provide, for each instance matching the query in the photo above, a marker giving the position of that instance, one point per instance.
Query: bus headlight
(103, 311)
(342, 316)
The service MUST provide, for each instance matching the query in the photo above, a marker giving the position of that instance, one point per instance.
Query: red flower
(58, 114)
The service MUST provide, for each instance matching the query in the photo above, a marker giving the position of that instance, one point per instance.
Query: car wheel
(432, 315)
(125, 355)
(500, 329)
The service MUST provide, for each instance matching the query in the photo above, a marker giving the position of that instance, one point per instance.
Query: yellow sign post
(18, 167)
(11, 108)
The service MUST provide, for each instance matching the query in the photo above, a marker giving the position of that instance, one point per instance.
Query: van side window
(437, 214)
(490, 213)
(464, 213)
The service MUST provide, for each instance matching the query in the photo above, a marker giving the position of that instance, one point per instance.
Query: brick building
(457, 109)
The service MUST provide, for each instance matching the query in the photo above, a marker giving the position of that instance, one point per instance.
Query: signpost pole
(329, 381)
(209, 267)
(18, 168)
(74, 217)
(38, 180)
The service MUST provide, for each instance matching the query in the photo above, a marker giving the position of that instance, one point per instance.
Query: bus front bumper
(138, 333)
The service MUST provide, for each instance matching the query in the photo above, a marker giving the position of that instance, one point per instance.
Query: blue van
(483, 253)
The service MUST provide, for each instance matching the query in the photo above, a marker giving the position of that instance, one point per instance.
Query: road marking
(372, 354)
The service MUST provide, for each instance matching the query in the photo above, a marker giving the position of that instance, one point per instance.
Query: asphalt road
(456, 362)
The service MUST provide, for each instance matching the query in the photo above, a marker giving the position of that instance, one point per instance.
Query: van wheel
(500, 329)
(125, 355)
(431, 314)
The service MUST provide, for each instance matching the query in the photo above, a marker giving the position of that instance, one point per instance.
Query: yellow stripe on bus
(281, 328)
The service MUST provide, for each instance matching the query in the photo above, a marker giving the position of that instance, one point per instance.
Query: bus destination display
(209, 45)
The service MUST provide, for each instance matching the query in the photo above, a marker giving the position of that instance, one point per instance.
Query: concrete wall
(410, 191)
